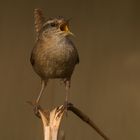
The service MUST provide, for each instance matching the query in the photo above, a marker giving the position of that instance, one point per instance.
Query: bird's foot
(36, 107)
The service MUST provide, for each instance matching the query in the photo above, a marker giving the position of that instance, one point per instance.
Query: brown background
(106, 84)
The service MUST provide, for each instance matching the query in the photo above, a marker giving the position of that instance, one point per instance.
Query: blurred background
(105, 85)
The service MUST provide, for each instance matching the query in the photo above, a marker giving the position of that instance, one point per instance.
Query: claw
(36, 110)
(36, 107)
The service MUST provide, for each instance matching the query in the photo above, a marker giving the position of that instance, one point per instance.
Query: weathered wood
(51, 120)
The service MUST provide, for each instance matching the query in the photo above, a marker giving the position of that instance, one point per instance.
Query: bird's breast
(56, 59)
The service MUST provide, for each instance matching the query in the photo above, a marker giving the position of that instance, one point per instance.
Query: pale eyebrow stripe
(48, 22)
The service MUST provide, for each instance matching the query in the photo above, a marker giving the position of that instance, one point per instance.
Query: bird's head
(56, 26)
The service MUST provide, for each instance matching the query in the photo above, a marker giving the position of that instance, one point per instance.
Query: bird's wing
(32, 60)
(78, 60)
(38, 19)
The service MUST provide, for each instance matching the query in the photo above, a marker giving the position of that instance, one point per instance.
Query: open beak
(64, 27)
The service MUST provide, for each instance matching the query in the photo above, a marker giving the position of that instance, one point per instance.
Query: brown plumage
(54, 54)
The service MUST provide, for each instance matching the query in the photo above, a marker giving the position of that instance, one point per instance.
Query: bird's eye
(53, 24)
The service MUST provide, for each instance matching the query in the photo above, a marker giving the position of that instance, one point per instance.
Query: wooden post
(51, 120)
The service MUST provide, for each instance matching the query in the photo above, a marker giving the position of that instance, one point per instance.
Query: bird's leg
(43, 86)
(67, 86)
(36, 105)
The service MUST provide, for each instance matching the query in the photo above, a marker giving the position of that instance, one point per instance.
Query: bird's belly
(58, 70)
(56, 64)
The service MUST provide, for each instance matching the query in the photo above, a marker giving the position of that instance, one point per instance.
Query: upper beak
(65, 27)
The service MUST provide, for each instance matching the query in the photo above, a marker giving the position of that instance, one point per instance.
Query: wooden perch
(51, 120)
(86, 119)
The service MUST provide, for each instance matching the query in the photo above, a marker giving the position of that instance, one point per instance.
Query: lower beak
(64, 27)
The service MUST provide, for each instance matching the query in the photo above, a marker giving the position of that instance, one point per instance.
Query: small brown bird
(54, 54)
